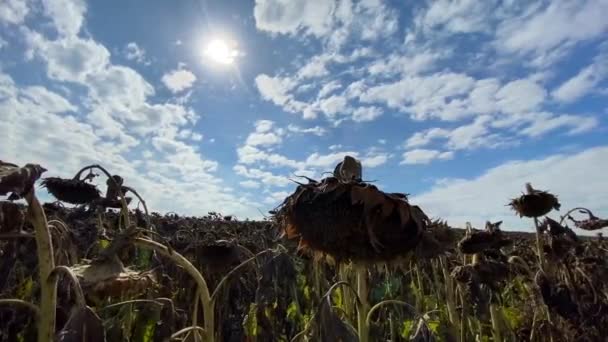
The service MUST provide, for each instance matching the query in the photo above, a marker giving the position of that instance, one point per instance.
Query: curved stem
(134, 301)
(46, 263)
(563, 217)
(80, 301)
(141, 200)
(225, 278)
(18, 302)
(123, 201)
(198, 278)
(187, 330)
(388, 301)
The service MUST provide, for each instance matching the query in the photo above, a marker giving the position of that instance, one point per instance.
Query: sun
(219, 51)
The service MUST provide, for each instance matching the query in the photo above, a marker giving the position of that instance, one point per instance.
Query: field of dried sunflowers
(337, 261)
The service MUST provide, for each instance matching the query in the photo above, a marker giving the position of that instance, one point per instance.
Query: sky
(218, 105)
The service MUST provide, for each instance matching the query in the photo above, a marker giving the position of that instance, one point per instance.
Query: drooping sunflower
(351, 220)
(534, 203)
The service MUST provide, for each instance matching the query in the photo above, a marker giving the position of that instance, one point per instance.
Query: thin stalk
(209, 318)
(495, 316)
(195, 313)
(46, 263)
(363, 308)
(449, 295)
(539, 250)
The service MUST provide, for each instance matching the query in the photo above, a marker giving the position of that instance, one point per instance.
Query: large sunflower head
(351, 221)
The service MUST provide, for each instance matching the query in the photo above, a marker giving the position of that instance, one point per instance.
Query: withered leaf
(18, 180)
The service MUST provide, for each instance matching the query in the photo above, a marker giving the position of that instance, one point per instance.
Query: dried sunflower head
(534, 203)
(479, 241)
(71, 191)
(591, 223)
(351, 221)
(18, 180)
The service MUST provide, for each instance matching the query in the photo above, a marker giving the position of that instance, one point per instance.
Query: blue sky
(458, 103)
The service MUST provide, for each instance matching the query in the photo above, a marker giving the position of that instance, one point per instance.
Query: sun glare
(219, 51)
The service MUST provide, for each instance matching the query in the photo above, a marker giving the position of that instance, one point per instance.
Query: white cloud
(333, 105)
(409, 64)
(52, 102)
(316, 130)
(263, 126)
(363, 114)
(13, 11)
(546, 122)
(423, 138)
(178, 80)
(328, 88)
(561, 23)
(424, 156)
(314, 68)
(327, 161)
(250, 184)
(135, 53)
(290, 16)
(519, 96)
(458, 16)
(267, 178)
(374, 160)
(276, 197)
(70, 59)
(583, 82)
(263, 139)
(577, 180)
(67, 15)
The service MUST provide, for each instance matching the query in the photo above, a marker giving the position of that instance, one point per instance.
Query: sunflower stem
(208, 310)
(539, 250)
(363, 309)
(46, 263)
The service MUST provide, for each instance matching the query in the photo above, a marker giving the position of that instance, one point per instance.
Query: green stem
(495, 316)
(46, 263)
(363, 308)
(209, 318)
